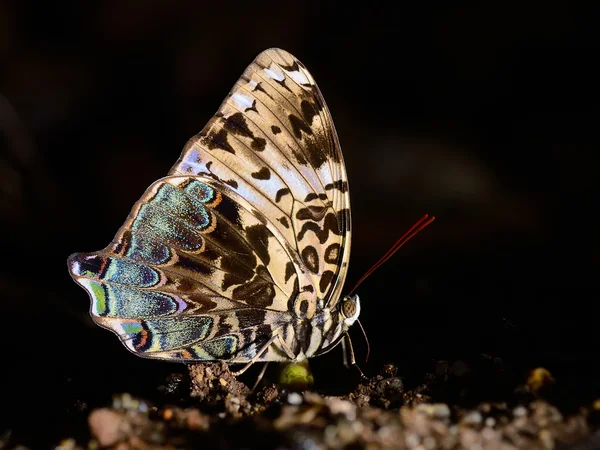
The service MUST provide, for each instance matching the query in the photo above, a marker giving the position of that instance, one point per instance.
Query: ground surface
(209, 408)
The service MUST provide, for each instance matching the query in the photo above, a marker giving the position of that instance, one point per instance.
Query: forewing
(273, 142)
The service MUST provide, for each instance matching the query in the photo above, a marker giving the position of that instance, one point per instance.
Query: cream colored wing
(273, 142)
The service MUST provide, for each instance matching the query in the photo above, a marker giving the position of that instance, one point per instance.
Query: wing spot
(232, 183)
(332, 253)
(340, 185)
(325, 280)
(218, 140)
(299, 126)
(262, 174)
(314, 196)
(311, 258)
(280, 193)
(289, 270)
(283, 220)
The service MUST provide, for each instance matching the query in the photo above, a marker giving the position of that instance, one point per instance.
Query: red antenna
(411, 233)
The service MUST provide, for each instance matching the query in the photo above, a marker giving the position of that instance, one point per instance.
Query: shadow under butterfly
(240, 253)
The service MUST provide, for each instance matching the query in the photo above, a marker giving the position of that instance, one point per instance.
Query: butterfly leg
(260, 377)
(258, 355)
(284, 346)
(349, 351)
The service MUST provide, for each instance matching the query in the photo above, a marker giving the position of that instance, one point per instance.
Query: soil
(210, 408)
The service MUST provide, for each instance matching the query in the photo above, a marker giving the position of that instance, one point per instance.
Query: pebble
(519, 411)
(490, 422)
(472, 418)
(294, 398)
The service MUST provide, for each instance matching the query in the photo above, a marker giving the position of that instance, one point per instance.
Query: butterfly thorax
(324, 330)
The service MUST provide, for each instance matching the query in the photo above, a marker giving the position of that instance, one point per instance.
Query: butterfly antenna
(366, 340)
(411, 233)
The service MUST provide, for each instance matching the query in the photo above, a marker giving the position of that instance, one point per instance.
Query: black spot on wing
(258, 236)
(252, 108)
(342, 219)
(200, 303)
(232, 183)
(275, 129)
(332, 253)
(330, 224)
(257, 292)
(262, 174)
(196, 266)
(289, 270)
(292, 67)
(283, 220)
(340, 185)
(250, 317)
(325, 280)
(235, 270)
(299, 126)
(236, 124)
(311, 213)
(317, 97)
(300, 159)
(314, 196)
(229, 210)
(282, 83)
(259, 87)
(311, 258)
(315, 152)
(280, 193)
(308, 111)
(258, 144)
(224, 327)
(218, 140)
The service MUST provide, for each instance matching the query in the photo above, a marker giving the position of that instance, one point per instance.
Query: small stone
(108, 427)
(167, 414)
(412, 440)
(196, 420)
(520, 411)
(294, 398)
(472, 418)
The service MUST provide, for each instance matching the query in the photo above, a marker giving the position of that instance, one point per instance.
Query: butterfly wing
(249, 231)
(274, 143)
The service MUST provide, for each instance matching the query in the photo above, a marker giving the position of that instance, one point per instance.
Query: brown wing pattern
(273, 142)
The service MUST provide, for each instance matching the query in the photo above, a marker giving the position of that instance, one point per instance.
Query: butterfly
(240, 253)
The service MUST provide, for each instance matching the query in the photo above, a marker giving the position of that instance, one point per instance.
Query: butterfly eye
(348, 308)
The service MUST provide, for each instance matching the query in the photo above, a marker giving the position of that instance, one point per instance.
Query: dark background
(484, 116)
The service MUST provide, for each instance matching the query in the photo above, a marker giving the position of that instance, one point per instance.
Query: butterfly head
(350, 309)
